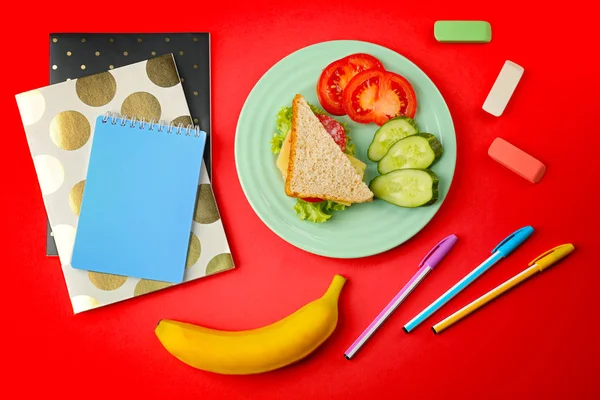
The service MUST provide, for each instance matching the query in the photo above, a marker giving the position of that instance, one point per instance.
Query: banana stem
(334, 290)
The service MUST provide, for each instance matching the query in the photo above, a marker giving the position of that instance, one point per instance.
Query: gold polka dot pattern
(220, 262)
(194, 249)
(106, 281)
(96, 90)
(70, 130)
(75, 197)
(141, 105)
(162, 71)
(206, 209)
(185, 120)
(145, 286)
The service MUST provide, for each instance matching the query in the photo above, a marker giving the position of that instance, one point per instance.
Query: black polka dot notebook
(59, 122)
(75, 55)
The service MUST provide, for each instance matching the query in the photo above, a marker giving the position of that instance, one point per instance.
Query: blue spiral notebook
(139, 198)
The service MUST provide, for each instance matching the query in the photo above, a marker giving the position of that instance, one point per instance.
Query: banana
(258, 350)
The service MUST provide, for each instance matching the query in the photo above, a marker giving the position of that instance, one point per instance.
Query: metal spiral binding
(160, 126)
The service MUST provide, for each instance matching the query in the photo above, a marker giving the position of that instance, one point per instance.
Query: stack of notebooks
(118, 142)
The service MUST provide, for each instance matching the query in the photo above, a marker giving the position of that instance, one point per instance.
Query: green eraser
(463, 31)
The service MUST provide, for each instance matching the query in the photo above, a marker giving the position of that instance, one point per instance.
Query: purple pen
(432, 258)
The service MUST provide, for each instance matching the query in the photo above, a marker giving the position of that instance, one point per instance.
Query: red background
(538, 341)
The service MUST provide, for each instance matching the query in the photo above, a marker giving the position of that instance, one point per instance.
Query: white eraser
(503, 88)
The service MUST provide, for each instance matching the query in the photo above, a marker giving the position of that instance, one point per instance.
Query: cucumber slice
(420, 150)
(407, 187)
(388, 134)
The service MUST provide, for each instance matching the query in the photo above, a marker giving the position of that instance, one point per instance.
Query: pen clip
(544, 254)
(447, 243)
(506, 239)
(519, 236)
(557, 253)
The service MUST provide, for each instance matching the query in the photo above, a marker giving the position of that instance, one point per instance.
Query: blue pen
(502, 250)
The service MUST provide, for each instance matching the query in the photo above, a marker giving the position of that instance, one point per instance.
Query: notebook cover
(58, 122)
(140, 191)
(97, 52)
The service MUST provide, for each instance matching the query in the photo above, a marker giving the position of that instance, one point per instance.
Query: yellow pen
(542, 262)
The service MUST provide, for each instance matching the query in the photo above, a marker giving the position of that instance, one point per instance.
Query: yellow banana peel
(257, 350)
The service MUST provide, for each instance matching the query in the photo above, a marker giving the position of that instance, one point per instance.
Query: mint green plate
(362, 229)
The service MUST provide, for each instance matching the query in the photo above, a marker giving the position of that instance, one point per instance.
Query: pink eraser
(517, 160)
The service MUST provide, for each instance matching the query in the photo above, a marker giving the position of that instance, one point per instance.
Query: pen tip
(404, 329)
(346, 357)
(433, 329)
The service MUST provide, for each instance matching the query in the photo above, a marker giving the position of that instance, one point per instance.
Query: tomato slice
(312, 199)
(336, 76)
(376, 96)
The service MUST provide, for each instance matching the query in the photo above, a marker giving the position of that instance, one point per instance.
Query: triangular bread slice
(318, 167)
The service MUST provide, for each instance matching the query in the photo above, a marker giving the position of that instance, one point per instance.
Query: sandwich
(316, 165)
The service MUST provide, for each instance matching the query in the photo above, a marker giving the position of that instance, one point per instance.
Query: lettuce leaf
(350, 147)
(316, 212)
(283, 124)
(316, 109)
(333, 206)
